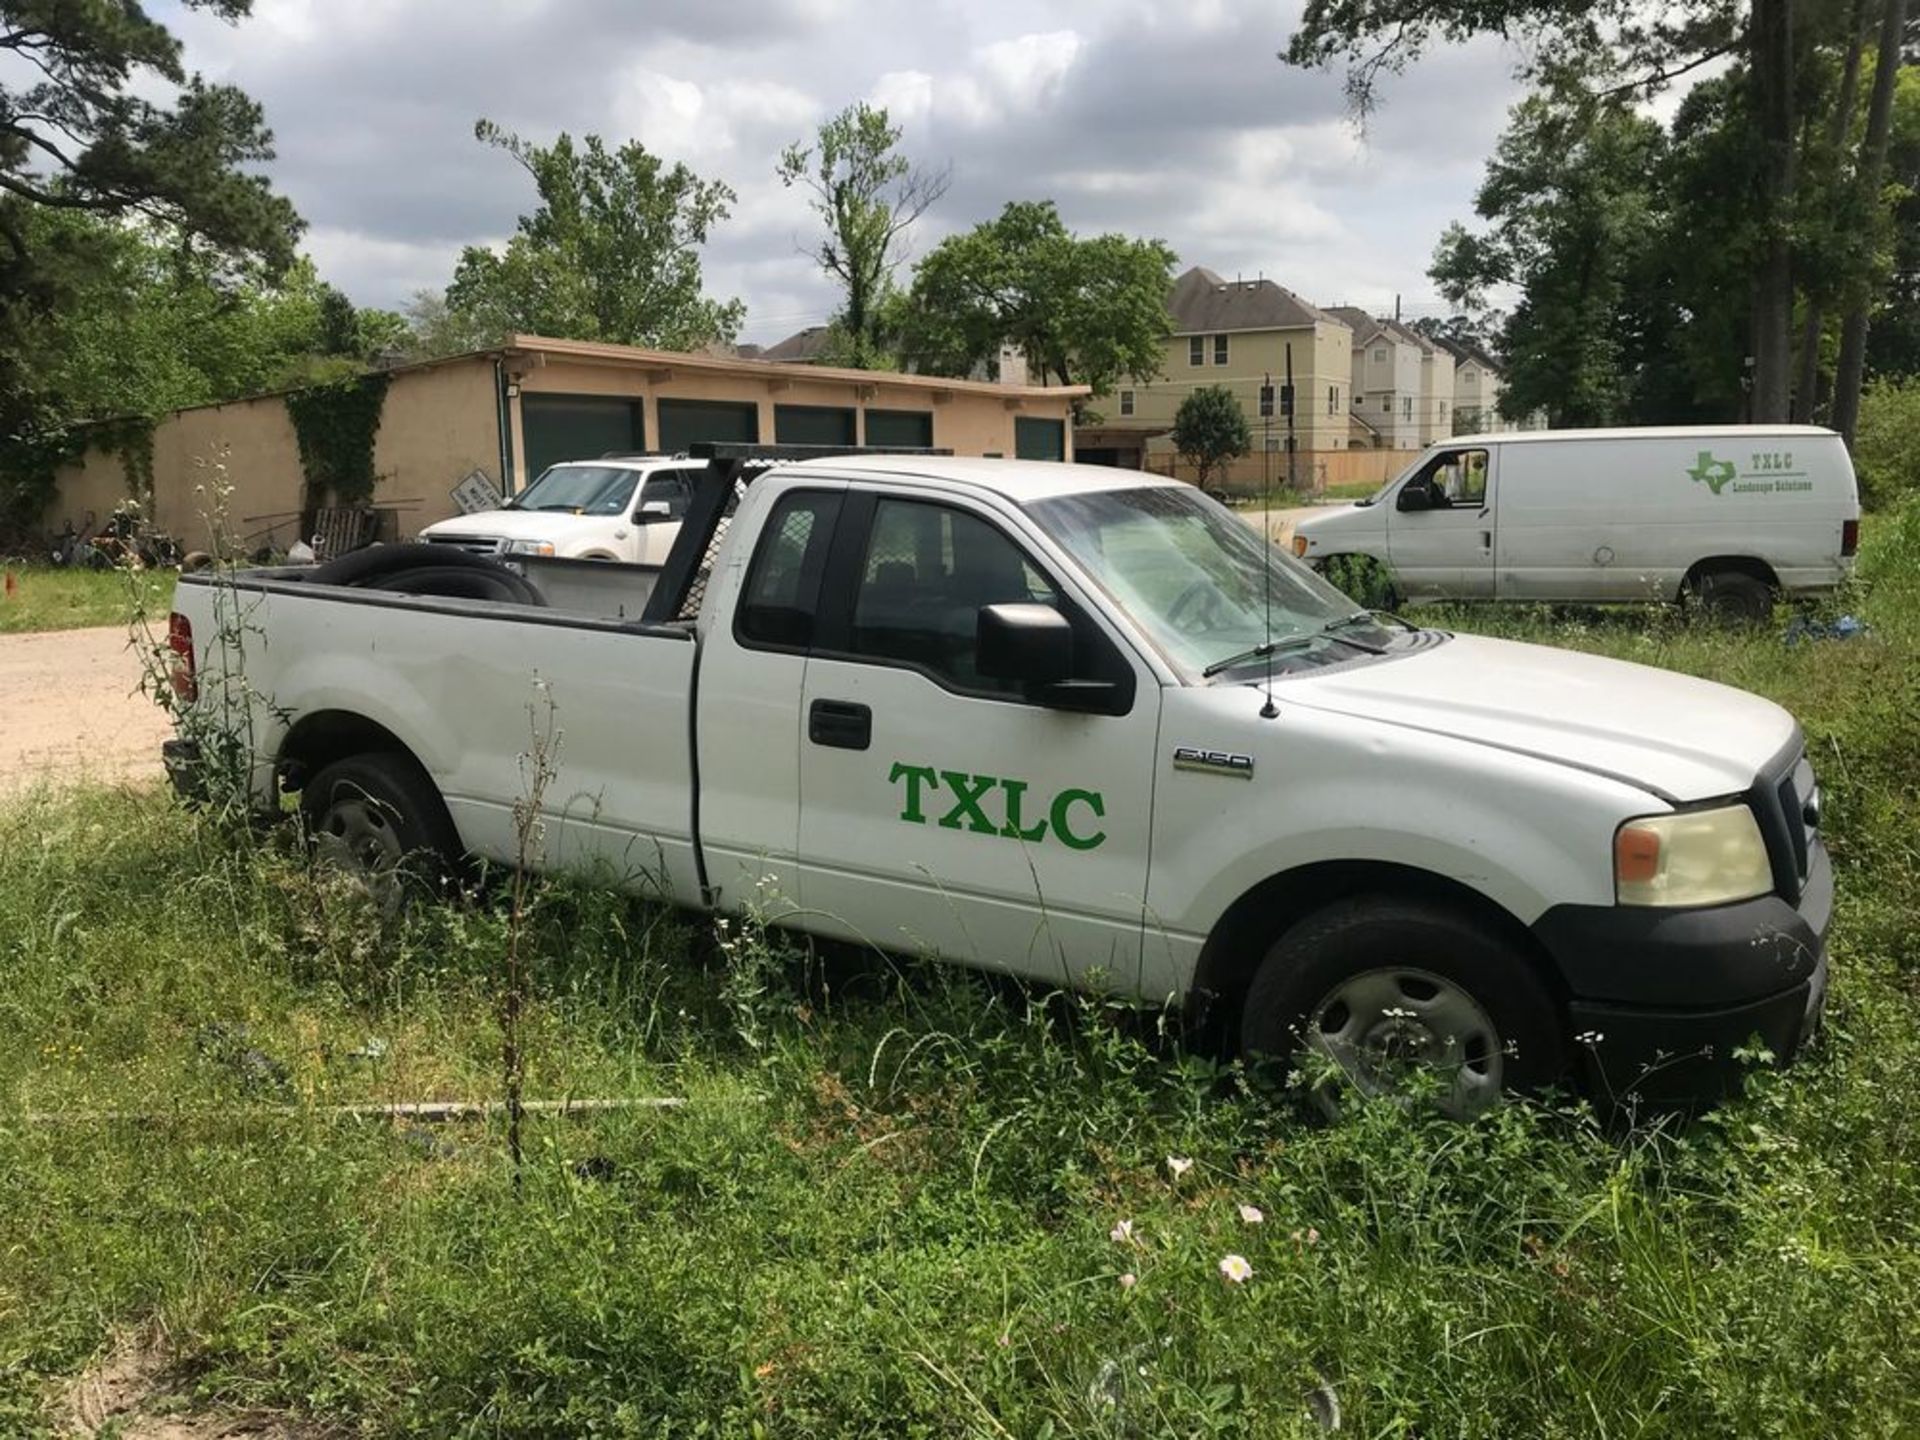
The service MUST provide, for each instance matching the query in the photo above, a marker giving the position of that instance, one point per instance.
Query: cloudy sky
(1169, 118)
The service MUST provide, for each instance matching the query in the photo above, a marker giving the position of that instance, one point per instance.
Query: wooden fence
(1314, 470)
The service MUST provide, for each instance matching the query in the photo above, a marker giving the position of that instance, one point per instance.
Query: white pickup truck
(1082, 725)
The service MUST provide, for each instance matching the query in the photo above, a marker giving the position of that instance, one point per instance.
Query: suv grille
(472, 544)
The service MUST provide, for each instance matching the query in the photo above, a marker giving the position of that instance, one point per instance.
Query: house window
(1386, 402)
(1333, 399)
(1379, 354)
(1126, 402)
(1406, 407)
(1197, 350)
(1219, 349)
(1443, 409)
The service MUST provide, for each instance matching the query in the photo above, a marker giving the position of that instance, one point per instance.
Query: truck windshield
(1193, 575)
(579, 490)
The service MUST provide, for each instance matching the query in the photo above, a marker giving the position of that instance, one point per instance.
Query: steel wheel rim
(358, 834)
(1381, 1025)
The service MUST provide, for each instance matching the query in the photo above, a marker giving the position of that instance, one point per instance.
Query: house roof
(1204, 303)
(1465, 352)
(797, 349)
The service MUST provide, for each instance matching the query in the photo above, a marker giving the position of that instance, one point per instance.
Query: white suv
(617, 508)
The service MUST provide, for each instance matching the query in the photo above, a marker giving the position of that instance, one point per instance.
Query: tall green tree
(1083, 311)
(612, 251)
(99, 117)
(1209, 430)
(1633, 48)
(1571, 218)
(867, 195)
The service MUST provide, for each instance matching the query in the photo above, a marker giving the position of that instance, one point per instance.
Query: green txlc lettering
(971, 795)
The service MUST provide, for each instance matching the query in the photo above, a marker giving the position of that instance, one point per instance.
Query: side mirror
(1414, 496)
(1030, 645)
(653, 510)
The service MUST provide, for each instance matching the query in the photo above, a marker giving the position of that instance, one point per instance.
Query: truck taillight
(180, 641)
(1849, 537)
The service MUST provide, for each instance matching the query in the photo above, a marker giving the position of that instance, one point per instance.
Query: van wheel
(1403, 997)
(1733, 597)
(378, 817)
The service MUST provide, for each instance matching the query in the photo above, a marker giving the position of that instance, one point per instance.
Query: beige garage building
(510, 412)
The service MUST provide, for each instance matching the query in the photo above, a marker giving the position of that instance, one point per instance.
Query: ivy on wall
(131, 438)
(334, 425)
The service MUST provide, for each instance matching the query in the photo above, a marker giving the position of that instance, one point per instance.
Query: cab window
(928, 571)
(782, 594)
(673, 486)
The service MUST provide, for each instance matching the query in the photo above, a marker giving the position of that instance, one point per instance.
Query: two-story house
(1237, 333)
(1477, 385)
(1388, 366)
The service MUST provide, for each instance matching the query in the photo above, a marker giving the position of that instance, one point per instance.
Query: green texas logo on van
(973, 795)
(1770, 472)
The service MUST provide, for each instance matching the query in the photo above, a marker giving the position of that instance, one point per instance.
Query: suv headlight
(1695, 857)
(529, 547)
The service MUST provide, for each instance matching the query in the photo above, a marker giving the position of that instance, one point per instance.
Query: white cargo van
(1732, 515)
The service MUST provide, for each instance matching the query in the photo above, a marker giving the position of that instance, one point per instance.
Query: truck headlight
(1696, 857)
(529, 547)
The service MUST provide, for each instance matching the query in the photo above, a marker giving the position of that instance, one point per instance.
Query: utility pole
(1266, 434)
(1287, 405)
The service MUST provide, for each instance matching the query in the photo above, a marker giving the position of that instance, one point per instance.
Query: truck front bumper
(1660, 1000)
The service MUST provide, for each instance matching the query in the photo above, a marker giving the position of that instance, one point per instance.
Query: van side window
(927, 573)
(1456, 479)
(782, 593)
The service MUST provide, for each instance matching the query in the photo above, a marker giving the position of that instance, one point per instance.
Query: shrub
(1886, 449)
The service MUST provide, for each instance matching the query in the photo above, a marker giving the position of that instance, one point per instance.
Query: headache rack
(731, 467)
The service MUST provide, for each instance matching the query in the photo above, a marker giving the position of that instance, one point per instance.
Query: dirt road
(71, 709)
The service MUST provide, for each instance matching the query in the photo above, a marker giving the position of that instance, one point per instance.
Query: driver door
(941, 809)
(1442, 549)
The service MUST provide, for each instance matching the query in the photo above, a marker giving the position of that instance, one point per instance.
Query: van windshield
(1193, 575)
(579, 490)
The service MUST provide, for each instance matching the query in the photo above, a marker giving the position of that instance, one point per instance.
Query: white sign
(476, 492)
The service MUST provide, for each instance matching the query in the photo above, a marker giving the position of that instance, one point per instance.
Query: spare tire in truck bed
(416, 569)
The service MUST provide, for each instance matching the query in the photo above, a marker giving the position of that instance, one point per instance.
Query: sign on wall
(476, 492)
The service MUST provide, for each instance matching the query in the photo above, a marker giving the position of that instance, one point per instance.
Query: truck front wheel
(1402, 997)
(378, 816)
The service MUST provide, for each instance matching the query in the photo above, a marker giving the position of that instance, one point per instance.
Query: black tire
(420, 569)
(1733, 597)
(380, 816)
(1426, 959)
(460, 582)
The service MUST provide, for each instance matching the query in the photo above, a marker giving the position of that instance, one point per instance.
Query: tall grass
(45, 598)
(890, 1205)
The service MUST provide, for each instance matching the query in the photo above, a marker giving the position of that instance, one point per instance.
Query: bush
(1886, 448)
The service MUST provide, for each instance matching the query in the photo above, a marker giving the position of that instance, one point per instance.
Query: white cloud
(1176, 121)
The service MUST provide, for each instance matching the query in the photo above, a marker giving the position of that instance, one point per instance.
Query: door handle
(841, 724)
(1486, 539)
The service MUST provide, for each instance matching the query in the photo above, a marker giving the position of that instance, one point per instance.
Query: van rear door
(1440, 532)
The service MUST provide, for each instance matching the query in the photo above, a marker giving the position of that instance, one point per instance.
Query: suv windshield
(579, 490)
(1194, 576)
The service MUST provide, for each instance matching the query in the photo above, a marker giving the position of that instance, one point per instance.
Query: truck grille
(472, 544)
(1800, 804)
(1786, 801)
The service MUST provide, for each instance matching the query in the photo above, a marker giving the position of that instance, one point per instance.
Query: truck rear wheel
(379, 817)
(1404, 997)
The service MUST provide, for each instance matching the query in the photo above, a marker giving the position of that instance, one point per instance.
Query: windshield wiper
(1294, 642)
(1371, 616)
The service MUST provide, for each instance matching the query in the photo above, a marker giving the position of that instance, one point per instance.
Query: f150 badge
(973, 797)
(1213, 762)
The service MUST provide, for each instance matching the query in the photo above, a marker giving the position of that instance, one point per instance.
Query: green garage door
(1039, 439)
(682, 422)
(900, 427)
(577, 427)
(812, 425)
